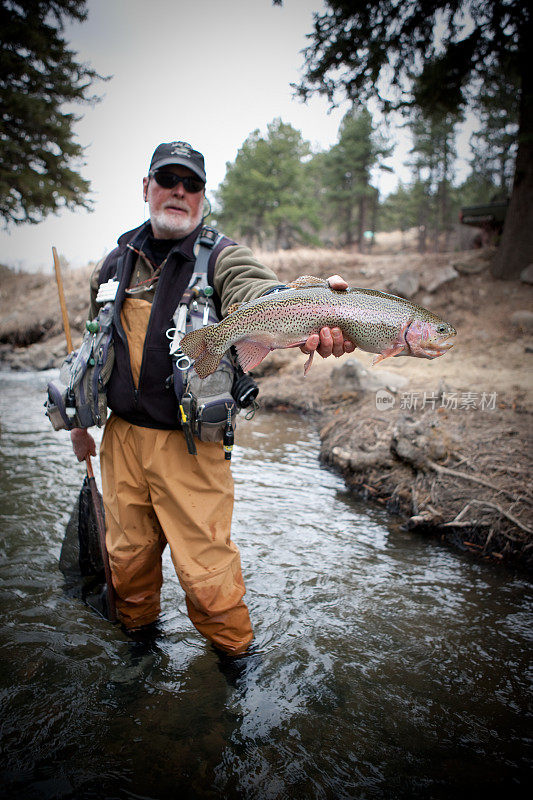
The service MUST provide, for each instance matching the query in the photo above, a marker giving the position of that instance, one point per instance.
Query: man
(155, 493)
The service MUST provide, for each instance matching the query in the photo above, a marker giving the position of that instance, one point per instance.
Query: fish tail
(195, 346)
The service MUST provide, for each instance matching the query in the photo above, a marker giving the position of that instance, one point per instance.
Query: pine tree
(266, 196)
(433, 160)
(494, 145)
(399, 210)
(436, 56)
(38, 76)
(348, 165)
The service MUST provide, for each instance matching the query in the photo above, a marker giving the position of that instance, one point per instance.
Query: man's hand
(83, 443)
(330, 341)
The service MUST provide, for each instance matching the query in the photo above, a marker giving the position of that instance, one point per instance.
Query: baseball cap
(178, 153)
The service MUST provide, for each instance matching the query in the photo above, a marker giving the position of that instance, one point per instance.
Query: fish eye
(442, 328)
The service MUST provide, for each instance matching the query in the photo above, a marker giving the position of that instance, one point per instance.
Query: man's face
(174, 213)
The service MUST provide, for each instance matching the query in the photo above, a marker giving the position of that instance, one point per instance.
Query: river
(386, 665)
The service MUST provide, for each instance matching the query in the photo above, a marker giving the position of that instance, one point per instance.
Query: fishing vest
(153, 403)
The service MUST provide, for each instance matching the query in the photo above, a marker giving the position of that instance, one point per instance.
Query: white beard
(166, 226)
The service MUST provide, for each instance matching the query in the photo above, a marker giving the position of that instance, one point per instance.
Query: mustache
(180, 206)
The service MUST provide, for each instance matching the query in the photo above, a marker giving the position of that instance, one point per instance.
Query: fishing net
(80, 560)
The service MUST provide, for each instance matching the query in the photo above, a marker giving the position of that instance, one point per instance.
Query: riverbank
(459, 473)
(444, 443)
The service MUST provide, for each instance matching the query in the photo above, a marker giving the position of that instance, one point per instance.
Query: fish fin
(206, 363)
(233, 307)
(307, 365)
(394, 350)
(250, 353)
(398, 346)
(194, 346)
(307, 280)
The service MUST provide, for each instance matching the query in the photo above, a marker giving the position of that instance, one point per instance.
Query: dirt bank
(446, 443)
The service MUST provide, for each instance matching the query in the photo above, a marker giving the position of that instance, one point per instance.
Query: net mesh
(80, 560)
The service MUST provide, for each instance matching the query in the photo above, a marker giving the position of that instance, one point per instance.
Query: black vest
(152, 404)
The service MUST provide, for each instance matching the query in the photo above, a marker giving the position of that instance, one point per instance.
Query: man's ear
(146, 181)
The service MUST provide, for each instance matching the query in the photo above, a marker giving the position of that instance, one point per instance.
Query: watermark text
(449, 401)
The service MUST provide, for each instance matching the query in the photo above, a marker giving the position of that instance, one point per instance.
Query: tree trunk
(348, 231)
(361, 224)
(422, 238)
(445, 216)
(422, 219)
(516, 247)
(422, 233)
(373, 223)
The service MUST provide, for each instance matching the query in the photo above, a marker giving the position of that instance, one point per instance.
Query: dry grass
(457, 483)
(289, 264)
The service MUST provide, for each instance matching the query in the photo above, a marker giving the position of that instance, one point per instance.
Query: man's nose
(179, 189)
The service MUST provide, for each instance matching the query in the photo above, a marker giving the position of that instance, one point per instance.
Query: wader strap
(203, 247)
(206, 241)
(198, 289)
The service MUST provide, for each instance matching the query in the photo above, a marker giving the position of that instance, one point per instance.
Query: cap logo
(180, 149)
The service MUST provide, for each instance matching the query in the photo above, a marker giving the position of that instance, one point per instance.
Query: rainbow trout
(374, 321)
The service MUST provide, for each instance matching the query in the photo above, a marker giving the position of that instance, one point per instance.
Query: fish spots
(372, 320)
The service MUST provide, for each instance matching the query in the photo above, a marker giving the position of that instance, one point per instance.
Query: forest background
(416, 67)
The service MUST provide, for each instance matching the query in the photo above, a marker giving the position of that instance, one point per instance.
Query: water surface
(387, 666)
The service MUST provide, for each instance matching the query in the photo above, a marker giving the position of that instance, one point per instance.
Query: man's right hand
(83, 443)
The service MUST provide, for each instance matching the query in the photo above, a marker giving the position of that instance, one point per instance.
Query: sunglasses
(168, 180)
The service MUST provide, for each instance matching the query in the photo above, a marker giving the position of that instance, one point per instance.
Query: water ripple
(385, 665)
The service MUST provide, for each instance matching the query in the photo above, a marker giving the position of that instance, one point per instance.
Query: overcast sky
(208, 72)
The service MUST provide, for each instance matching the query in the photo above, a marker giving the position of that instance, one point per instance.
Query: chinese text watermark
(450, 401)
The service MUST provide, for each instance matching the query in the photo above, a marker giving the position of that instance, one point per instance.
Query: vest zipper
(146, 336)
(162, 278)
(121, 333)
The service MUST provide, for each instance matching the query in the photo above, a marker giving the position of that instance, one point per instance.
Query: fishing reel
(244, 389)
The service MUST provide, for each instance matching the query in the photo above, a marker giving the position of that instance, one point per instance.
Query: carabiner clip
(183, 362)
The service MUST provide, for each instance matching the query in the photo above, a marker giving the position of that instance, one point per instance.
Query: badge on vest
(107, 291)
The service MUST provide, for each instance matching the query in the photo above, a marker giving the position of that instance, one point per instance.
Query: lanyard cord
(149, 283)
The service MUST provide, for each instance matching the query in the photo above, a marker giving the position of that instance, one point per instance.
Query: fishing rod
(99, 517)
(62, 303)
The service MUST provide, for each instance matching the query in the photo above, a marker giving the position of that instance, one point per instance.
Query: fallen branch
(507, 468)
(474, 523)
(488, 540)
(458, 523)
(460, 514)
(506, 514)
(456, 474)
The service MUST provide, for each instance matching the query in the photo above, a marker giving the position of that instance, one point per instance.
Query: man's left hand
(330, 341)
